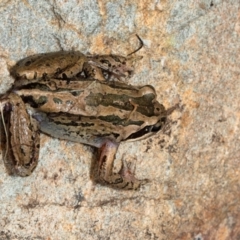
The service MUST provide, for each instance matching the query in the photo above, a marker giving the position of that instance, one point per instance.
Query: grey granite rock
(191, 56)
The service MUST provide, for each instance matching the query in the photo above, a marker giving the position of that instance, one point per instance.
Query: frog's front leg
(124, 178)
(21, 137)
(110, 67)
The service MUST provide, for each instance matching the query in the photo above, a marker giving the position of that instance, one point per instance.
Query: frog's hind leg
(125, 178)
(21, 144)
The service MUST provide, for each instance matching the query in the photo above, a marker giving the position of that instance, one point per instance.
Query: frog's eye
(158, 125)
(156, 128)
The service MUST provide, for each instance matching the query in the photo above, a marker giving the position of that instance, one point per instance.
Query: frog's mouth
(147, 131)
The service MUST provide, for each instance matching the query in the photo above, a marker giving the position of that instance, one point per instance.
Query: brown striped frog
(57, 94)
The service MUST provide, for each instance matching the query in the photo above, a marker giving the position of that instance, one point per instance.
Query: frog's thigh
(124, 179)
(22, 147)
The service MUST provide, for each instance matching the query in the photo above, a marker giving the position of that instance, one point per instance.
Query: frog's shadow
(94, 166)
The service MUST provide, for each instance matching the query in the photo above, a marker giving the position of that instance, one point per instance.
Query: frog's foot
(100, 72)
(125, 178)
(127, 172)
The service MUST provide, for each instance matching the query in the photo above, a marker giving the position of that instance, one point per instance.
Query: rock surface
(191, 56)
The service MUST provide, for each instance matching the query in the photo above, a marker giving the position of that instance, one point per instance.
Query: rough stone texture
(191, 56)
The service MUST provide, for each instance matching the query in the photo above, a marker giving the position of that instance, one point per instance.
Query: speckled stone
(192, 58)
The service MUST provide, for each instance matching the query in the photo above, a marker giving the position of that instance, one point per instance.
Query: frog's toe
(127, 172)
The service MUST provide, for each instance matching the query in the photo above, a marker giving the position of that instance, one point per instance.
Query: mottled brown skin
(68, 96)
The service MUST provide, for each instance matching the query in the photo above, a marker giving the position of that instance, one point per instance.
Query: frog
(102, 114)
(67, 104)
